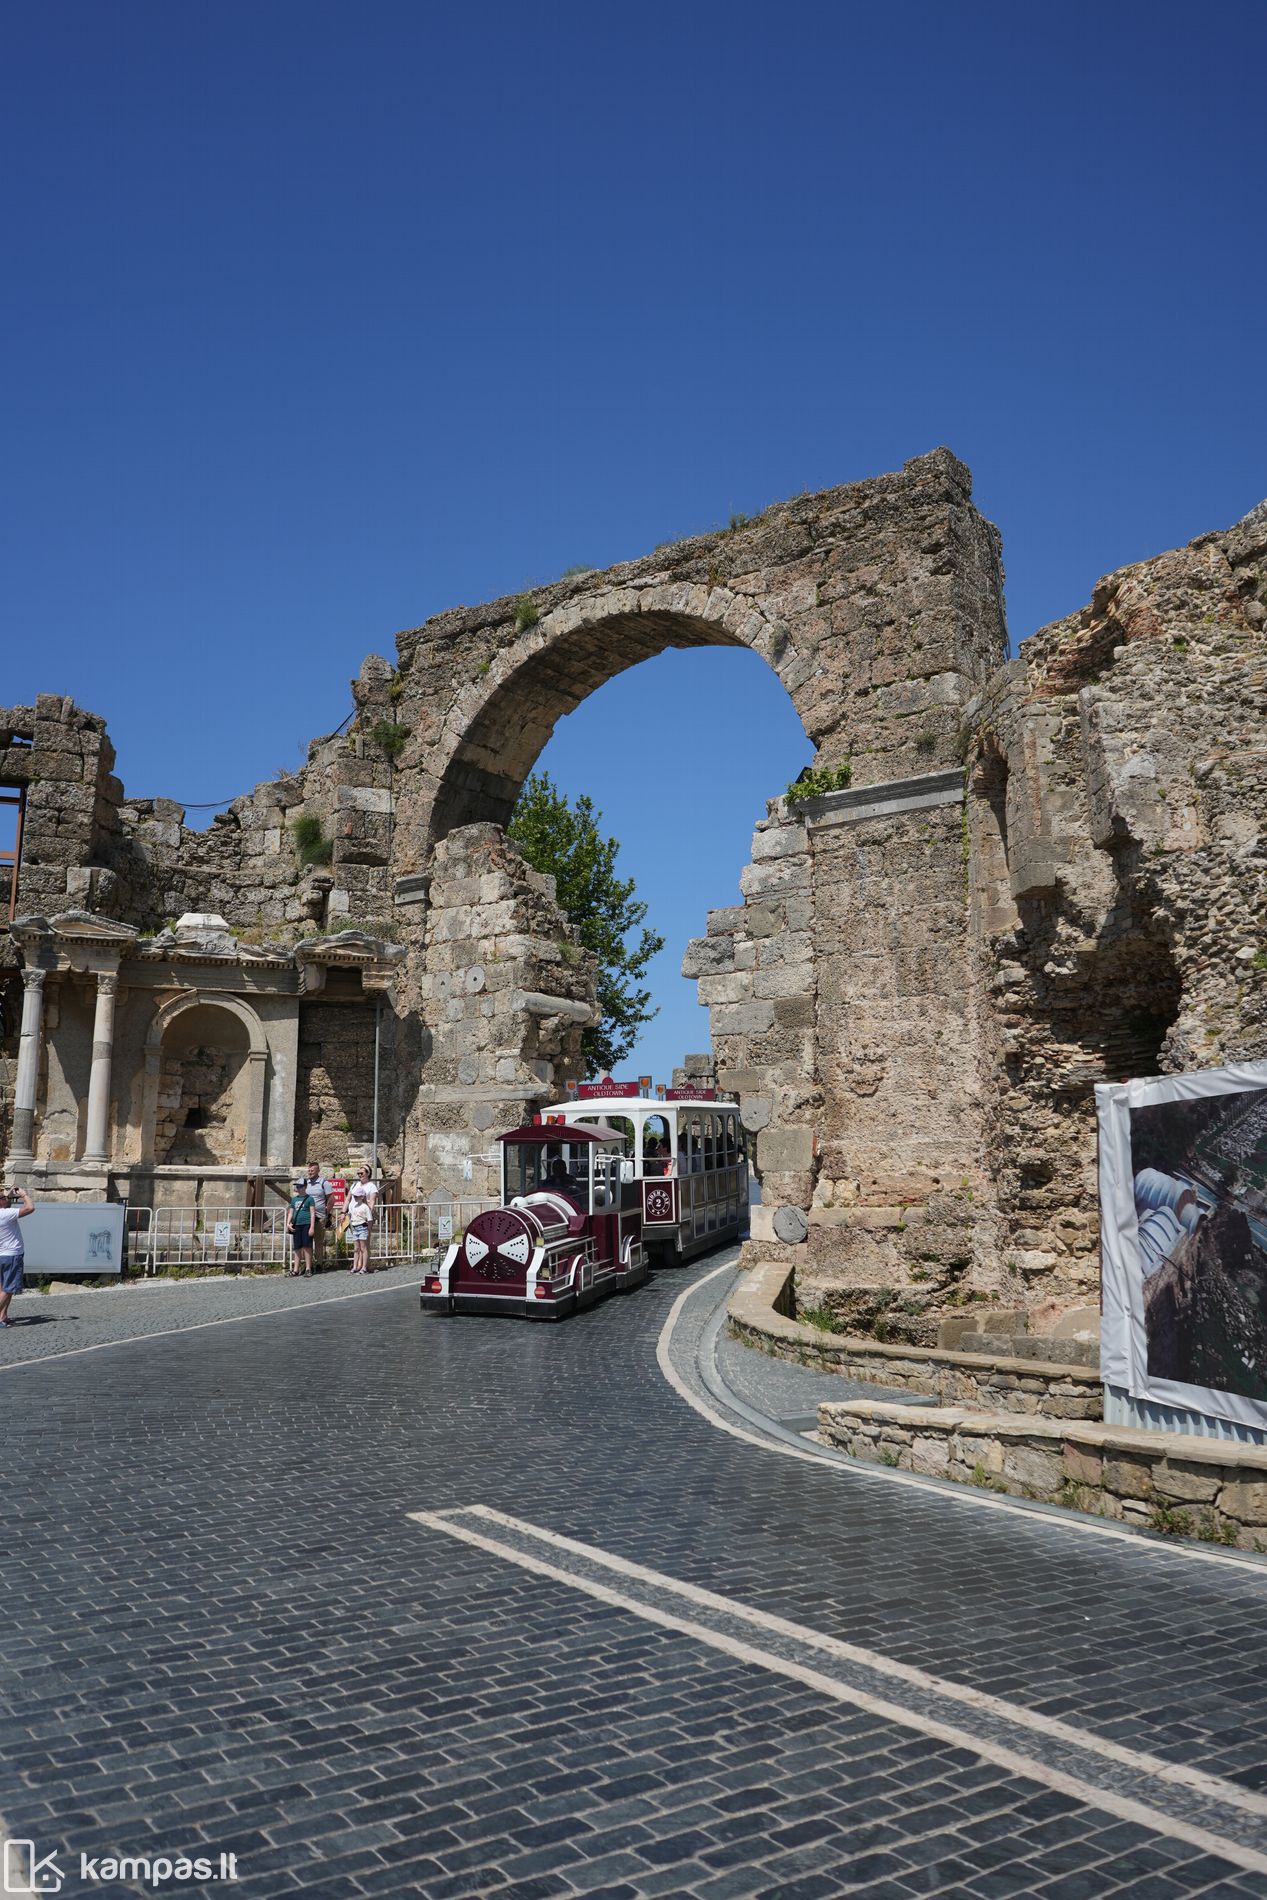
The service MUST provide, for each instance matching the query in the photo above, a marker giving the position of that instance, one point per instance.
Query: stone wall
(1210, 1489)
(200, 1118)
(761, 1315)
(502, 992)
(335, 1086)
(1117, 815)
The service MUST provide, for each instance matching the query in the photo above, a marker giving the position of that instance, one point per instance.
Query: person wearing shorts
(299, 1223)
(15, 1204)
(360, 1216)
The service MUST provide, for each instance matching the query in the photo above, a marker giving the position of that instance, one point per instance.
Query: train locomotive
(568, 1231)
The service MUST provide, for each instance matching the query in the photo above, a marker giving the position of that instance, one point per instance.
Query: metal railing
(219, 1239)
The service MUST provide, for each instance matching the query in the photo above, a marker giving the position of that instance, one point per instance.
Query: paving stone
(231, 1633)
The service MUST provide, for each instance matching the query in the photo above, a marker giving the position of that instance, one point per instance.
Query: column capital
(107, 982)
(33, 976)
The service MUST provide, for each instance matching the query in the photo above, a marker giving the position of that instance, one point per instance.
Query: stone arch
(255, 1063)
(500, 727)
(878, 605)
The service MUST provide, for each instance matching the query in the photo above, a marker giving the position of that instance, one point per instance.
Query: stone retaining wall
(1213, 1489)
(1047, 1389)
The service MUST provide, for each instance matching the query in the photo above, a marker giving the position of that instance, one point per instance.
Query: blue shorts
(11, 1273)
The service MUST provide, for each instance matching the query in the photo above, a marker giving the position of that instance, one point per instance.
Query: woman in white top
(15, 1203)
(361, 1198)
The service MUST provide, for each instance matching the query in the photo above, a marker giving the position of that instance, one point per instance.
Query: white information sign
(75, 1237)
(223, 1233)
(444, 1227)
(1183, 1212)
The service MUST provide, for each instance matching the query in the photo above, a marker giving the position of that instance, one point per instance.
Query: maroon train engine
(568, 1232)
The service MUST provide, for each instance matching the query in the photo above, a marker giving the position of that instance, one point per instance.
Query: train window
(657, 1152)
(553, 1168)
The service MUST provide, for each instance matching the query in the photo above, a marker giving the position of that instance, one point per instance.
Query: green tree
(564, 840)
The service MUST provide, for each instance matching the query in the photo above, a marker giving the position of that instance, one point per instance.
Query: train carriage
(568, 1231)
(687, 1155)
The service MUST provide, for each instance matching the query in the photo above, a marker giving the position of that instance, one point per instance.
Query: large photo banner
(1183, 1212)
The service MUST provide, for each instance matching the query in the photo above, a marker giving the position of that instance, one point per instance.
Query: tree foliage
(563, 839)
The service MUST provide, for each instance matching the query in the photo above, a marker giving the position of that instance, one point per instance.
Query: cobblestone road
(391, 1605)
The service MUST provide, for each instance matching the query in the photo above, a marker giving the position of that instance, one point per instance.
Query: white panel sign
(1183, 1247)
(223, 1234)
(74, 1237)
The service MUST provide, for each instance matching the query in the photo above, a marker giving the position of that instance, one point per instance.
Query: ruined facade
(1040, 873)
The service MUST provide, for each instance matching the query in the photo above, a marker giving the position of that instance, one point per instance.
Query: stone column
(28, 1066)
(257, 1074)
(99, 1079)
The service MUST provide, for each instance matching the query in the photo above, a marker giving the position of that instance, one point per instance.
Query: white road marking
(1182, 1774)
(947, 1489)
(1010, 1759)
(229, 1319)
(16, 1875)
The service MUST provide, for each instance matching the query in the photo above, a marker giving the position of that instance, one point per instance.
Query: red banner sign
(607, 1089)
(690, 1095)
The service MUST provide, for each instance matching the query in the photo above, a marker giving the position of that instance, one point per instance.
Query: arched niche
(216, 1043)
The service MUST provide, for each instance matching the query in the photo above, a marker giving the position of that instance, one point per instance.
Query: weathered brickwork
(1116, 809)
(501, 991)
(1040, 873)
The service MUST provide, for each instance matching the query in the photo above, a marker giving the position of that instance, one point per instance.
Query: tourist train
(687, 1154)
(590, 1191)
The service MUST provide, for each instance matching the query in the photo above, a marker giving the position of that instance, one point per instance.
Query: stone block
(761, 1222)
(1191, 1484)
(785, 1150)
(784, 841)
(743, 1019)
(949, 1331)
(734, 988)
(1083, 1465)
(931, 1456)
(1036, 1468)
(793, 979)
(1128, 1477)
(1245, 1499)
(708, 956)
(783, 875)
(729, 921)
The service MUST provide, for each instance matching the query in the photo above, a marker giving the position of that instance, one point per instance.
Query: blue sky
(321, 318)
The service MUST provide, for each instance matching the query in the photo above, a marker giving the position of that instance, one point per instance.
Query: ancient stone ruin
(1041, 873)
